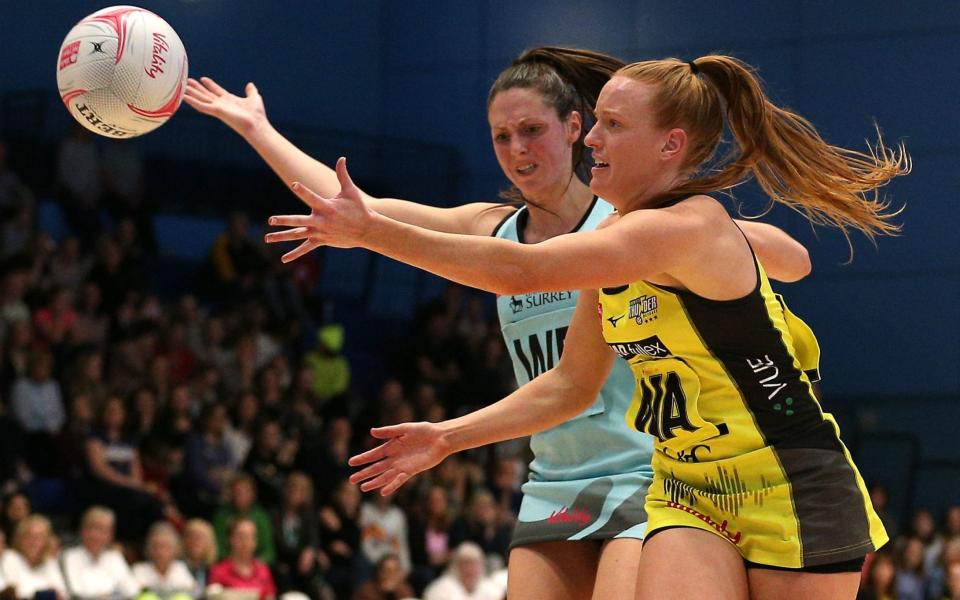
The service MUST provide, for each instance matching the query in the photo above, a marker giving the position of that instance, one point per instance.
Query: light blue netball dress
(589, 476)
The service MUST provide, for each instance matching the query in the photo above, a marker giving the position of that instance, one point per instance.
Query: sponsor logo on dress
(721, 527)
(570, 515)
(643, 309)
(538, 299)
(651, 347)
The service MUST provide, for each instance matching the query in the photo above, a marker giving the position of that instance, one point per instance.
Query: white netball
(122, 71)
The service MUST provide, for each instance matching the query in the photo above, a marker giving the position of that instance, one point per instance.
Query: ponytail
(793, 165)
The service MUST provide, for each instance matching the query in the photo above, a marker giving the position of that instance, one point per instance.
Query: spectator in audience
(241, 570)
(388, 582)
(305, 405)
(68, 266)
(199, 552)
(300, 562)
(114, 275)
(924, 527)
(72, 441)
(93, 569)
(383, 531)
(92, 325)
(87, 378)
(270, 460)
(79, 182)
(951, 522)
(242, 431)
(208, 462)
(430, 538)
(116, 475)
(13, 192)
(911, 582)
(16, 508)
(243, 503)
(17, 349)
(236, 262)
(54, 322)
(880, 579)
(938, 575)
(31, 566)
(505, 484)
(16, 232)
(340, 535)
(163, 573)
(325, 457)
(952, 591)
(464, 579)
(331, 371)
(37, 404)
(483, 526)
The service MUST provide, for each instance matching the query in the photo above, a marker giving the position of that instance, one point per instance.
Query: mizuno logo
(615, 320)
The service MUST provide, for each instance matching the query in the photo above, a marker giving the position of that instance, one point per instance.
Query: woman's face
(18, 508)
(628, 147)
(114, 414)
(243, 540)
(162, 549)
(34, 542)
(195, 544)
(533, 146)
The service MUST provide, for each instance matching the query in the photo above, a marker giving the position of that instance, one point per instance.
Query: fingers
(304, 248)
(292, 220)
(213, 86)
(311, 198)
(389, 431)
(369, 456)
(346, 183)
(395, 485)
(379, 481)
(251, 90)
(370, 472)
(289, 235)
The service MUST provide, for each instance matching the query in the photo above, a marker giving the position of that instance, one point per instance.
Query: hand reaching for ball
(341, 221)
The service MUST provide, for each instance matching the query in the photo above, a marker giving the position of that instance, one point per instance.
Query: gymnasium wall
(888, 322)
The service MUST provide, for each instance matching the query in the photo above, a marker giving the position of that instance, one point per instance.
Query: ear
(574, 126)
(674, 144)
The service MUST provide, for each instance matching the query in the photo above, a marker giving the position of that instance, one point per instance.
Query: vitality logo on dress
(643, 309)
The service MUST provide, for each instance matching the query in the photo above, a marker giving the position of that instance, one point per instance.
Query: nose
(517, 146)
(591, 139)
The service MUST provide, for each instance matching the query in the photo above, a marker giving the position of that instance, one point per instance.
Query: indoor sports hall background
(400, 88)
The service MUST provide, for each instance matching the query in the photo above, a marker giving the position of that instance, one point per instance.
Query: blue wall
(888, 322)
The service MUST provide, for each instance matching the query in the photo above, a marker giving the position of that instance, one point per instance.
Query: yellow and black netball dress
(742, 448)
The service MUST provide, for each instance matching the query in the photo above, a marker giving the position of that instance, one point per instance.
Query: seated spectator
(911, 581)
(880, 578)
(464, 579)
(383, 527)
(243, 503)
(54, 323)
(72, 441)
(937, 577)
(163, 573)
(116, 475)
(300, 563)
(388, 582)
(430, 538)
(37, 404)
(241, 433)
(484, 527)
(208, 463)
(270, 460)
(68, 266)
(92, 323)
(952, 591)
(16, 508)
(331, 371)
(924, 527)
(93, 569)
(240, 570)
(340, 532)
(87, 378)
(951, 523)
(31, 567)
(324, 457)
(199, 551)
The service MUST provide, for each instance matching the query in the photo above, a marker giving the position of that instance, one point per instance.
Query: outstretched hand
(410, 448)
(242, 114)
(341, 221)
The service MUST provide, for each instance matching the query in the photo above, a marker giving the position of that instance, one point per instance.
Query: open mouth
(600, 165)
(526, 169)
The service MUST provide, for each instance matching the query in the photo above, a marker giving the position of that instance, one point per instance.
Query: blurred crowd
(177, 445)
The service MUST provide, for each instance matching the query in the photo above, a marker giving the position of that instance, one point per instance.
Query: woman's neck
(550, 218)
